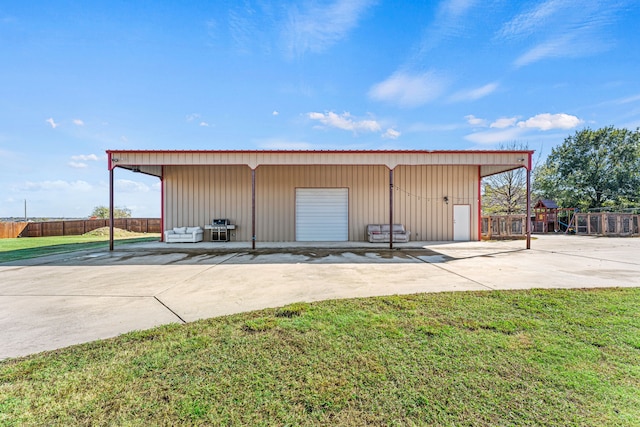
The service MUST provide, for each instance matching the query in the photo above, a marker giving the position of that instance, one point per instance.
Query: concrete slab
(228, 289)
(31, 324)
(59, 300)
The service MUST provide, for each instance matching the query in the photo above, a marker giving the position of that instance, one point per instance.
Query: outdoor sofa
(379, 233)
(184, 235)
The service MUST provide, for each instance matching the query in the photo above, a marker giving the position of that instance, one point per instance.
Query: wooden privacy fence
(9, 230)
(504, 226)
(76, 227)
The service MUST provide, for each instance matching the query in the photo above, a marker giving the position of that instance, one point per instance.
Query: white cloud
(85, 157)
(195, 117)
(563, 28)
(448, 23)
(275, 113)
(51, 122)
(555, 48)
(504, 122)
(527, 22)
(628, 99)
(475, 121)
(345, 121)
(408, 90)
(77, 161)
(58, 185)
(548, 121)
(391, 134)
(78, 122)
(474, 94)
(128, 186)
(455, 8)
(318, 27)
(494, 137)
(508, 129)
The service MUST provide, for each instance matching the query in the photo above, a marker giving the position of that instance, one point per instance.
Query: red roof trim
(326, 151)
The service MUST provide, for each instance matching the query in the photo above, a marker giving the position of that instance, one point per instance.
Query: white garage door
(322, 214)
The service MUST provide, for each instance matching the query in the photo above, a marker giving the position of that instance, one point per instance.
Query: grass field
(539, 357)
(32, 247)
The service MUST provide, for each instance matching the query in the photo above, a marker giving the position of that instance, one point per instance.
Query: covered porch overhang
(152, 162)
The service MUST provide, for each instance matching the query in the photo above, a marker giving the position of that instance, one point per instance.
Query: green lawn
(539, 357)
(32, 247)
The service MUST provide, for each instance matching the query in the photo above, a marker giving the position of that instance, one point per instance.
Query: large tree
(103, 212)
(506, 193)
(593, 169)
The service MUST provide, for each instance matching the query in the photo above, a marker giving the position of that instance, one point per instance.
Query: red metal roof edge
(326, 151)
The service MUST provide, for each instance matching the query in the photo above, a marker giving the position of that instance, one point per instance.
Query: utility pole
(25, 210)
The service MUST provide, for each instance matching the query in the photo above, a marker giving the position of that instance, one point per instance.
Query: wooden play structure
(549, 218)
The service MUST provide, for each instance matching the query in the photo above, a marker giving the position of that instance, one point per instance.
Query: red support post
(529, 203)
(111, 209)
(390, 208)
(253, 208)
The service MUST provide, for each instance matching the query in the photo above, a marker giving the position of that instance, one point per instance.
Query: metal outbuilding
(280, 196)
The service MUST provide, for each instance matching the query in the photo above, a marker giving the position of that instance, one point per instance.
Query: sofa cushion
(398, 228)
(193, 229)
(373, 229)
(180, 230)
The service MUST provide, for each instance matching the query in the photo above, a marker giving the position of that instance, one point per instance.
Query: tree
(506, 193)
(103, 212)
(593, 169)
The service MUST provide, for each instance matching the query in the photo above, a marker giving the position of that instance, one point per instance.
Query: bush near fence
(76, 227)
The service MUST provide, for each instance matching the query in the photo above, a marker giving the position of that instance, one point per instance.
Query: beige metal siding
(419, 203)
(194, 195)
(275, 196)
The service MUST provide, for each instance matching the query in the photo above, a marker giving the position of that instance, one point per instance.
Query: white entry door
(322, 214)
(461, 222)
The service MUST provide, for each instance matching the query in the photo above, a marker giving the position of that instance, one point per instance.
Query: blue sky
(78, 78)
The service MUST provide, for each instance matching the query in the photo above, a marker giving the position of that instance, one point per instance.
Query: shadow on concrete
(176, 255)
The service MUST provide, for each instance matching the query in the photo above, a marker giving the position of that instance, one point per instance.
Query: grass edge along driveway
(33, 247)
(535, 357)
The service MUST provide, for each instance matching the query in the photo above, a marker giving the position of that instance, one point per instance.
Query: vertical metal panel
(275, 196)
(420, 199)
(194, 195)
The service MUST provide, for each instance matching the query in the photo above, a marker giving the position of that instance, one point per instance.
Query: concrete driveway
(60, 300)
